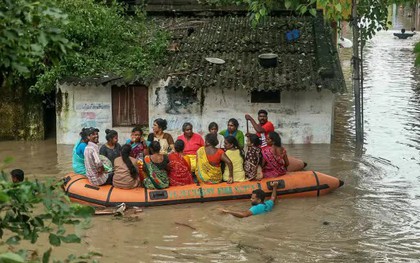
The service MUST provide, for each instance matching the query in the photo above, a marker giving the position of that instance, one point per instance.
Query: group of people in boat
(159, 161)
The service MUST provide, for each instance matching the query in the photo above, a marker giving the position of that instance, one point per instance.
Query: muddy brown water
(375, 217)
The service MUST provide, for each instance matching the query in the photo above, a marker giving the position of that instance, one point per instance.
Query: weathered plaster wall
(301, 117)
(79, 107)
(21, 115)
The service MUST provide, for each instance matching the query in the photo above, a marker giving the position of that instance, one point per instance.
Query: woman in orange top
(208, 162)
(179, 166)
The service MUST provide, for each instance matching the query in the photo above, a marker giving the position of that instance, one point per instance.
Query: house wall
(301, 117)
(81, 106)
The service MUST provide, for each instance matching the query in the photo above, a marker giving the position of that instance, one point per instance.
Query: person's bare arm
(239, 214)
(274, 193)
(228, 162)
(256, 126)
(286, 160)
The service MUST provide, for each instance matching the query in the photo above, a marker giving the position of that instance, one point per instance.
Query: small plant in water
(32, 208)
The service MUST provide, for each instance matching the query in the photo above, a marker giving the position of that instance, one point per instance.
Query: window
(130, 106)
(265, 96)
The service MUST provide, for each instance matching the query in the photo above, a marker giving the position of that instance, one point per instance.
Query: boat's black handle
(157, 195)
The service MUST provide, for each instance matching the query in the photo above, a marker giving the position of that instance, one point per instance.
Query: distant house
(298, 93)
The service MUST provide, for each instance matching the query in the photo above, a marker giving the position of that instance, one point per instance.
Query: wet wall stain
(180, 99)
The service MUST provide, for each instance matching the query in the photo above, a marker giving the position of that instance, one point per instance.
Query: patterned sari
(179, 170)
(274, 164)
(253, 161)
(157, 177)
(206, 172)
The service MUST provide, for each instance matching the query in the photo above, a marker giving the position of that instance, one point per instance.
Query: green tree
(108, 41)
(32, 208)
(30, 35)
(42, 42)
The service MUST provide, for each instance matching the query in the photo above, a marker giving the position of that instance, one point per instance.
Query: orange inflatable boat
(293, 184)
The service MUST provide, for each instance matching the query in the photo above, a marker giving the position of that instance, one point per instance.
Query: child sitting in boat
(253, 158)
(179, 166)
(137, 142)
(236, 156)
(258, 205)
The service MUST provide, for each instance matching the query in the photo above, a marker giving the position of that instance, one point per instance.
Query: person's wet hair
(260, 194)
(18, 174)
(179, 146)
(91, 130)
(125, 155)
(263, 112)
(110, 134)
(254, 139)
(185, 126)
(213, 125)
(137, 129)
(234, 122)
(84, 134)
(155, 147)
(212, 139)
(234, 141)
(275, 137)
(163, 124)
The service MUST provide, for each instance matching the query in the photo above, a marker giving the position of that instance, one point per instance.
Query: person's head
(17, 175)
(233, 125)
(253, 140)
(231, 143)
(159, 125)
(93, 135)
(179, 146)
(155, 147)
(273, 138)
(187, 128)
(84, 137)
(257, 197)
(262, 116)
(111, 136)
(211, 140)
(125, 155)
(213, 127)
(136, 134)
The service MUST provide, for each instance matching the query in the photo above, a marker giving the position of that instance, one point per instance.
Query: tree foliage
(51, 39)
(32, 208)
(30, 34)
(107, 41)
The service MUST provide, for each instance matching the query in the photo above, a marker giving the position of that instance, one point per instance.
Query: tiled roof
(309, 63)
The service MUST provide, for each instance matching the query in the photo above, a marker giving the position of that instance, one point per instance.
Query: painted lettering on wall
(93, 114)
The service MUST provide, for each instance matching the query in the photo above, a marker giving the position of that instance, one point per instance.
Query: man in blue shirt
(258, 204)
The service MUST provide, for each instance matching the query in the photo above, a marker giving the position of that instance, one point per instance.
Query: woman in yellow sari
(236, 156)
(209, 159)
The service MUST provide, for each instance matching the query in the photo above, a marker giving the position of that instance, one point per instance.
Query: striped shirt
(92, 164)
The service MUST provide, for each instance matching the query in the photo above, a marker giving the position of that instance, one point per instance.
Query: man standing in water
(263, 128)
(258, 204)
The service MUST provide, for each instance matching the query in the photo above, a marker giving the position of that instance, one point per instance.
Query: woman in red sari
(179, 166)
(275, 159)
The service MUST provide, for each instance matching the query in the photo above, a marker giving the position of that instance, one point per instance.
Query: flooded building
(213, 73)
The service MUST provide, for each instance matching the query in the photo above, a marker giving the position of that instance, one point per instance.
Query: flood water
(375, 217)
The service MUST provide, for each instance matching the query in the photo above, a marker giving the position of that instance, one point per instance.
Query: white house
(298, 93)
